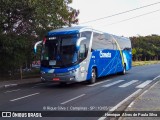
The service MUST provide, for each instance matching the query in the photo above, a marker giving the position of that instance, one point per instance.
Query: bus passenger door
(82, 57)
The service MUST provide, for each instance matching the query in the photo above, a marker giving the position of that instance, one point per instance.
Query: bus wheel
(93, 76)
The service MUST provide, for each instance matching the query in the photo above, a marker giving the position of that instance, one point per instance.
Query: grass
(140, 63)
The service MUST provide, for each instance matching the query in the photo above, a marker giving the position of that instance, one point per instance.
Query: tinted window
(103, 41)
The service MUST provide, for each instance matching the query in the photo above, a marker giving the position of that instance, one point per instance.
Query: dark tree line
(22, 23)
(146, 48)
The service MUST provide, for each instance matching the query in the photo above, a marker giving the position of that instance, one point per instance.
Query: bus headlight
(42, 72)
(82, 69)
(72, 71)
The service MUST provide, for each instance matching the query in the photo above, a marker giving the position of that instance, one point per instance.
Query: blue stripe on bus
(52, 33)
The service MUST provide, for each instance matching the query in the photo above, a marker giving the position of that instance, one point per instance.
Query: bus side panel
(127, 58)
(118, 61)
(112, 64)
(92, 63)
(106, 61)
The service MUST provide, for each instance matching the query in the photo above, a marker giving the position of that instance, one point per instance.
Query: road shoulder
(148, 101)
(12, 83)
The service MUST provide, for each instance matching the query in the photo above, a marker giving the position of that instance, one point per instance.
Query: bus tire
(93, 76)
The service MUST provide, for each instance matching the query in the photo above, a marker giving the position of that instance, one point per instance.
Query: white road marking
(24, 97)
(99, 83)
(126, 99)
(122, 102)
(72, 99)
(148, 89)
(131, 104)
(154, 85)
(102, 118)
(129, 83)
(12, 91)
(143, 93)
(9, 85)
(110, 84)
(144, 84)
(156, 77)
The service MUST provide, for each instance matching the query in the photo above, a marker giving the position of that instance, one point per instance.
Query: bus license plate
(56, 79)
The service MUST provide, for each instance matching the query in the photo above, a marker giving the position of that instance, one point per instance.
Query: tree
(147, 48)
(134, 54)
(22, 20)
(26, 16)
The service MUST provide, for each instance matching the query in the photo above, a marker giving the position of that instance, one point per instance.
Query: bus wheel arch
(93, 75)
(124, 69)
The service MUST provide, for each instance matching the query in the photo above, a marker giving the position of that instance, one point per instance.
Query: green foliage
(134, 51)
(23, 22)
(146, 48)
(13, 52)
(26, 16)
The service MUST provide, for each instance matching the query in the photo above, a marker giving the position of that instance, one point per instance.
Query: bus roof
(68, 30)
(78, 29)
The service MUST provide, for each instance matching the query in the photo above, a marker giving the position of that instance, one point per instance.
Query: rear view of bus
(70, 55)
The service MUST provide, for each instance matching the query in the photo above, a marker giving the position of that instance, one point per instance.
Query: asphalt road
(106, 94)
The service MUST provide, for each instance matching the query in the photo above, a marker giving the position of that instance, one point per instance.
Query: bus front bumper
(62, 77)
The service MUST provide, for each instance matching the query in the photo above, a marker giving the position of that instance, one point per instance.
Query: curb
(141, 94)
(124, 105)
(14, 83)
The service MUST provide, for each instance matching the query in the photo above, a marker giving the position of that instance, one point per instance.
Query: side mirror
(79, 42)
(35, 46)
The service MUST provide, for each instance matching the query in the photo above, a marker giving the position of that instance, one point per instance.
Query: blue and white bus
(76, 54)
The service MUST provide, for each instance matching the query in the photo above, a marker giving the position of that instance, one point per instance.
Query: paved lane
(103, 95)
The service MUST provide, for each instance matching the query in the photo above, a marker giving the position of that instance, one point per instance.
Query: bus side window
(110, 43)
(103, 41)
(97, 41)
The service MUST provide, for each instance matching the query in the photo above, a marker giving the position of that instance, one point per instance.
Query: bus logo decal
(105, 55)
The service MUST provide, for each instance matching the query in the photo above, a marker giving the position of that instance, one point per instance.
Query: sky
(141, 26)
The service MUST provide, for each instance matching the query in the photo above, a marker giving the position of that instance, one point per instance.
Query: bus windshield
(59, 51)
